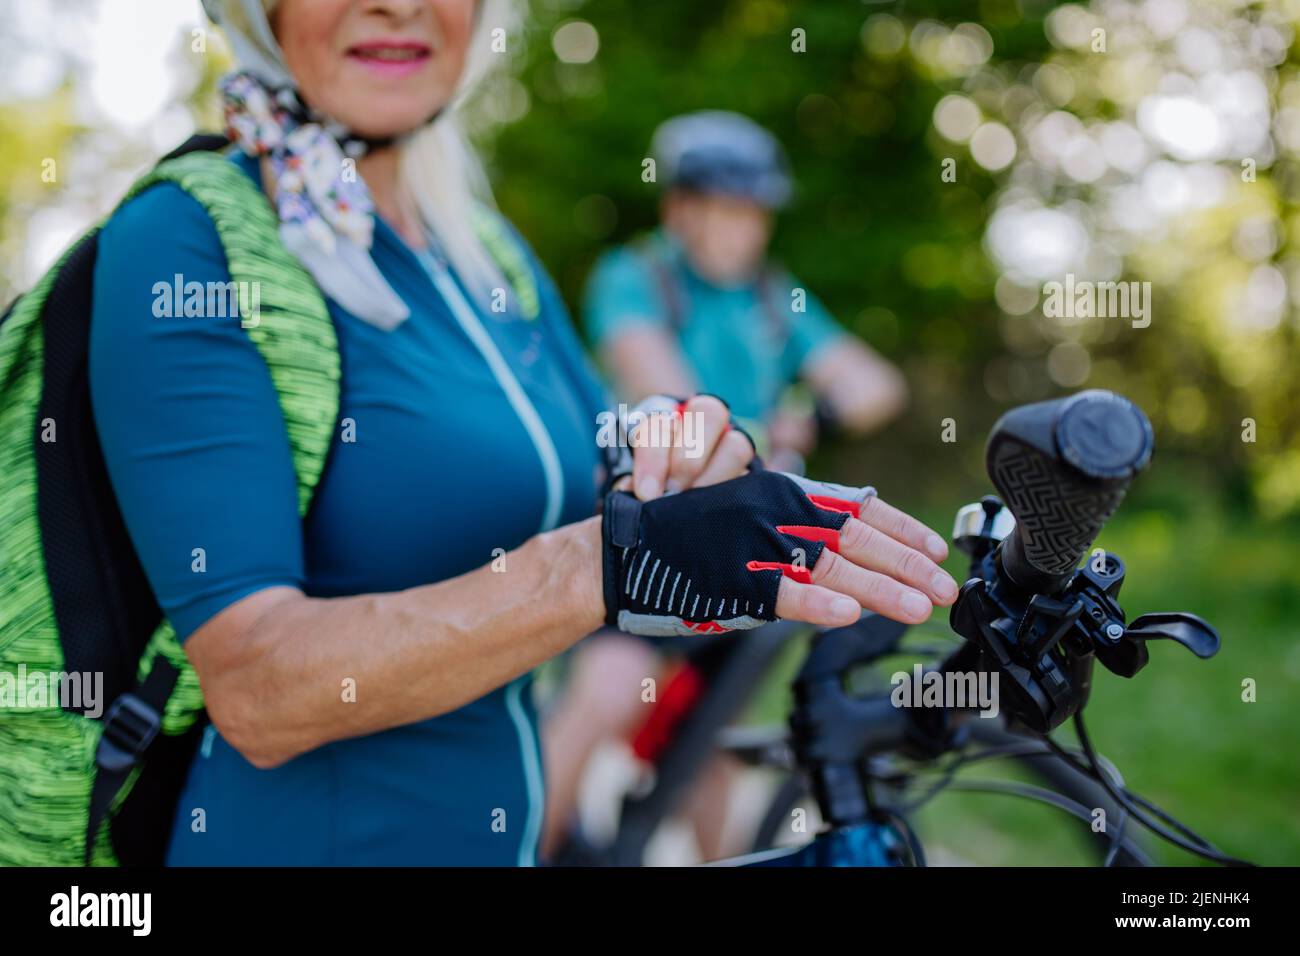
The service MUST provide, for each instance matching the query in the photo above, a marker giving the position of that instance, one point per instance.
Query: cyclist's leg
(602, 701)
(707, 807)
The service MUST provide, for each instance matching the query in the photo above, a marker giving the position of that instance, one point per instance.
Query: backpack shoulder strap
(286, 317)
(665, 278)
(775, 310)
(673, 296)
(508, 253)
(283, 310)
(199, 142)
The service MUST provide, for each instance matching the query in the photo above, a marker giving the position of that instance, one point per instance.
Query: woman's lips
(391, 59)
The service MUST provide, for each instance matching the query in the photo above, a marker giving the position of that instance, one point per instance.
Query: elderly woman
(450, 546)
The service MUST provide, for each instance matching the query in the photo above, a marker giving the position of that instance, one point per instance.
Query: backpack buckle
(129, 727)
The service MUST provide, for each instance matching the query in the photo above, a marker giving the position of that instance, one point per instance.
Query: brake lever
(1192, 632)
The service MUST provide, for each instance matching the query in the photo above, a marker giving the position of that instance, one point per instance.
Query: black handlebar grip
(1062, 467)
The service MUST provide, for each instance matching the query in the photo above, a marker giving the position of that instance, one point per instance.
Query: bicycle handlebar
(1027, 612)
(1062, 467)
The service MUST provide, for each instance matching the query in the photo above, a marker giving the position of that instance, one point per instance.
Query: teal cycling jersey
(455, 407)
(746, 343)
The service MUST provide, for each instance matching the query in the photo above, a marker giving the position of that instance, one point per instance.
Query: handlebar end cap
(1104, 436)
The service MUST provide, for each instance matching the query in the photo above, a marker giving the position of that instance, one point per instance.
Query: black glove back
(709, 560)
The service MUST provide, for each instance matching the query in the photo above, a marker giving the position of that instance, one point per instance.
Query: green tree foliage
(892, 250)
(907, 259)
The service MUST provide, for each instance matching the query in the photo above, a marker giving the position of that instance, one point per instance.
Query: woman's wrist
(575, 553)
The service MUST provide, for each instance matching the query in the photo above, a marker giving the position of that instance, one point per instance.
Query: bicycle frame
(864, 844)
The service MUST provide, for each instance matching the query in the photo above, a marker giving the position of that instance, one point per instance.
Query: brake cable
(1201, 847)
(950, 768)
(1027, 791)
(1118, 840)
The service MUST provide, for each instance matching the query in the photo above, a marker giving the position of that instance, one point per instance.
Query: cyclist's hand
(683, 445)
(792, 429)
(766, 545)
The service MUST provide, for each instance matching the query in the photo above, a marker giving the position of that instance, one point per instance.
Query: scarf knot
(325, 210)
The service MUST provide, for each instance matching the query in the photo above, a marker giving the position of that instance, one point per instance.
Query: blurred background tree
(91, 94)
(1111, 155)
(1146, 140)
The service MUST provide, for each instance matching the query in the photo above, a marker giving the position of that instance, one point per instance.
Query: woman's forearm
(296, 672)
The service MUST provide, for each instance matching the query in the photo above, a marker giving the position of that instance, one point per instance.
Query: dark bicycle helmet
(714, 151)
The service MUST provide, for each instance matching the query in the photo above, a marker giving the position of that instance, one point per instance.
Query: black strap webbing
(131, 725)
(674, 296)
(198, 143)
(134, 719)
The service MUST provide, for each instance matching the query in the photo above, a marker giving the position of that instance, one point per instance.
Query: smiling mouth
(408, 54)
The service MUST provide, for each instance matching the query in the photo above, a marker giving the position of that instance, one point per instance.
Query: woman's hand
(673, 451)
(766, 545)
(887, 562)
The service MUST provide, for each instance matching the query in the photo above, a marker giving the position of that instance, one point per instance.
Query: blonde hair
(439, 173)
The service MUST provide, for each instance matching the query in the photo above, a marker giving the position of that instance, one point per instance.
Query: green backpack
(79, 787)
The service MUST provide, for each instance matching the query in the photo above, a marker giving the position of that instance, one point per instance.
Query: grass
(1180, 730)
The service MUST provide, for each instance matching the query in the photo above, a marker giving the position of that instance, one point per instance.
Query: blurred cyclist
(697, 305)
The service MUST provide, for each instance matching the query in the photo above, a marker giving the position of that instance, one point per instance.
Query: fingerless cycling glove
(709, 560)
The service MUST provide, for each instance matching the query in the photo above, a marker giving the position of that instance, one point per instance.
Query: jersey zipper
(468, 319)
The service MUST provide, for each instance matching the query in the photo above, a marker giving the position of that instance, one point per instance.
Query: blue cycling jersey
(457, 403)
(732, 342)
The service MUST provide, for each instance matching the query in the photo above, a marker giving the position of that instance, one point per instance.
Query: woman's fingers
(870, 548)
(730, 460)
(840, 590)
(649, 462)
(902, 527)
(874, 591)
(653, 439)
(815, 604)
(701, 428)
(671, 452)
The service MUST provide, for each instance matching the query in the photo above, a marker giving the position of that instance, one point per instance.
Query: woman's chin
(378, 124)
